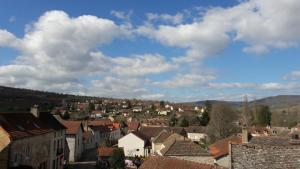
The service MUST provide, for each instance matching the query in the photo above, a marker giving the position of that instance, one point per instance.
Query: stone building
(187, 150)
(74, 137)
(58, 141)
(266, 152)
(25, 141)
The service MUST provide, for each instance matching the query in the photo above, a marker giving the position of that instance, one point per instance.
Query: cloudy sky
(173, 50)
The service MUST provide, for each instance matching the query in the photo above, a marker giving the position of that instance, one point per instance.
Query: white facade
(75, 145)
(163, 112)
(132, 145)
(197, 136)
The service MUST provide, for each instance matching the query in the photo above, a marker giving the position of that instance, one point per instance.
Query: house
(163, 139)
(220, 150)
(74, 137)
(163, 112)
(133, 125)
(25, 141)
(135, 144)
(59, 138)
(187, 150)
(104, 153)
(88, 140)
(158, 162)
(196, 133)
(137, 109)
(265, 152)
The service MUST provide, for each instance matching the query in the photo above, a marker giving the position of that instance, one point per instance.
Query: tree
(162, 103)
(246, 114)
(208, 106)
(117, 160)
(221, 124)
(263, 116)
(91, 107)
(173, 121)
(204, 118)
(184, 122)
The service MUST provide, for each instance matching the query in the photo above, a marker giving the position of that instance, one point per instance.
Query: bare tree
(222, 123)
(246, 114)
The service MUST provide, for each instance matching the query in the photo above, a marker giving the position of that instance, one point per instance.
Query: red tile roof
(99, 122)
(221, 147)
(72, 126)
(105, 151)
(133, 125)
(20, 125)
(159, 162)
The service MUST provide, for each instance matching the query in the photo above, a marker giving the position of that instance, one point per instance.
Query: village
(134, 134)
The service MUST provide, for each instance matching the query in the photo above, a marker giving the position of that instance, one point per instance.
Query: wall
(31, 151)
(244, 156)
(224, 161)
(58, 149)
(130, 143)
(196, 136)
(198, 159)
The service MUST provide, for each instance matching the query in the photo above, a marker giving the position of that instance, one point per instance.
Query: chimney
(245, 135)
(35, 111)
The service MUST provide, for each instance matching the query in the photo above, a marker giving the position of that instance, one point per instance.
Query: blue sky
(170, 50)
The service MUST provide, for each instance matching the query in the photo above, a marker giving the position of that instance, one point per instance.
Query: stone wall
(244, 156)
(197, 159)
(31, 151)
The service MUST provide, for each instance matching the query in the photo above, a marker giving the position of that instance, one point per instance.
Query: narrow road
(87, 161)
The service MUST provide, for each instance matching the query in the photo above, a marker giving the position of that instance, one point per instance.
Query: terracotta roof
(133, 125)
(140, 135)
(195, 129)
(105, 151)
(185, 148)
(151, 131)
(99, 122)
(221, 147)
(162, 136)
(51, 120)
(72, 126)
(159, 162)
(20, 125)
(100, 128)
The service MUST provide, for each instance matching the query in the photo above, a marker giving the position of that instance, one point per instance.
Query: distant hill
(20, 100)
(281, 102)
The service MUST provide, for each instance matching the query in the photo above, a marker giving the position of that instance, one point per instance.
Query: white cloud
(187, 80)
(141, 65)
(294, 75)
(173, 19)
(261, 24)
(59, 50)
(122, 15)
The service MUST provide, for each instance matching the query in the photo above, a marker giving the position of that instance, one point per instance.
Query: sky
(159, 50)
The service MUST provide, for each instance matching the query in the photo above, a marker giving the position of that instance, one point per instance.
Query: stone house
(58, 141)
(158, 162)
(187, 150)
(74, 137)
(220, 150)
(135, 143)
(25, 141)
(164, 138)
(265, 152)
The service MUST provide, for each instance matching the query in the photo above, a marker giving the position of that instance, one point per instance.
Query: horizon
(174, 51)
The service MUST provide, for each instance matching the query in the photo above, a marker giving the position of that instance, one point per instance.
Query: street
(87, 161)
